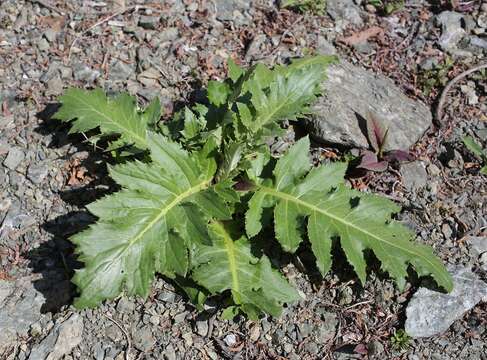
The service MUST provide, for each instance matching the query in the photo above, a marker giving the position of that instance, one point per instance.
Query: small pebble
(230, 340)
(14, 158)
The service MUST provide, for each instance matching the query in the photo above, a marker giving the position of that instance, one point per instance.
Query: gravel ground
(171, 49)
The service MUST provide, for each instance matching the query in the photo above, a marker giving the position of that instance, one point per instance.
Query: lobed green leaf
(228, 264)
(360, 221)
(149, 225)
(120, 116)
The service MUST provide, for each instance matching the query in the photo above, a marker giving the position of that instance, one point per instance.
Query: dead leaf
(424, 15)
(4, 276)
(77, 174)
(55, 23)
(361, 36)
(6, 112)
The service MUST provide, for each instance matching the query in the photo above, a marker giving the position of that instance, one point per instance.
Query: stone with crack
(350, 92)
(62, 339)
(20, 307)
(452, 30)
(431, 313)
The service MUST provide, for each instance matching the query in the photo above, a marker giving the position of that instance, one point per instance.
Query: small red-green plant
(379, 159)
(315, 6)
(387, 7)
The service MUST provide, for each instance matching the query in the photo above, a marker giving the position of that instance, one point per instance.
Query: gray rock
(345, 10)
(144, 340)
(351, 90)
(82, 72)
(202, 328)
(483, 261)
(169, 353)
(53, 71)
(364, 47)
(50, 34)
(288, 348)
(169, 34)
(305, 329)
(167, 296)
(20, 307)
(375, 349)
(4, 206)
(254, 47)
(125, 306)
(230, 340)
(325, 47)
(120, 71)
(328, 327)
(446, 230)
(113, 333)
(311, 347)
(63, 338)
(451, 29)
(143, 52)
(179, 318)
(4, 146)
(155, 320)
(225, 8)
(414, 175)
(469, 91)
(434, 170)
(98, 351)
(37, 173)
(55, 86)
(149, 22)
(478, 244)
(14, 158)
(478, 42)
(429, 63)
(430, 312)
(43, 44)
(482, 20)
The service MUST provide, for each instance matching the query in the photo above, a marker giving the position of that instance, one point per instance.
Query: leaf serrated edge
(446, 282)
(176, 201)
(70, 93)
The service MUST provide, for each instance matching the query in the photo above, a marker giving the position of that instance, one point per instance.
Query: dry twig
(104, 20)
(122, 329)
(441, 102)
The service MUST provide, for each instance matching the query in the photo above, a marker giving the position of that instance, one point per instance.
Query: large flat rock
(20, 307)
(351, 90)
(62, 339)
(431, 313)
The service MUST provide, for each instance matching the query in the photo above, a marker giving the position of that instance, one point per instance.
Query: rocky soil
(170, 49)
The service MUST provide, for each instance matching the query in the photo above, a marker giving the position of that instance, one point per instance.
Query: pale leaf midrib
(232, 263)
(300, 202)
(276, 110)
(178, 199)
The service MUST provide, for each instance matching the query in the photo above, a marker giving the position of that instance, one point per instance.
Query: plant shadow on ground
(55, 260)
